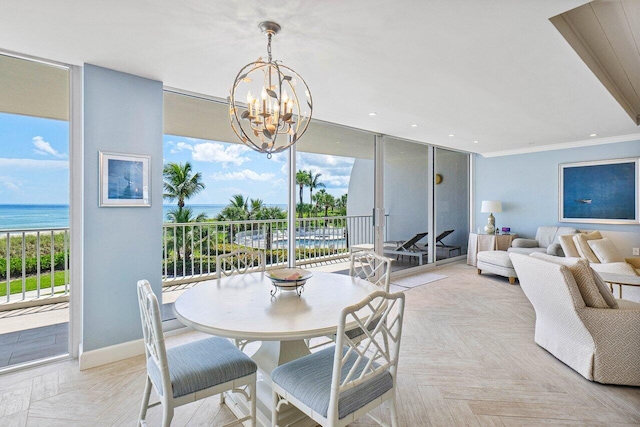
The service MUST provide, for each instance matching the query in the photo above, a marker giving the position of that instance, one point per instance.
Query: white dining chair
(193, 371)
(342, 383)
(240, 261)
(370, 266)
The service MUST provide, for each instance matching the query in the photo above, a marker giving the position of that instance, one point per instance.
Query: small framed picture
(124, 180)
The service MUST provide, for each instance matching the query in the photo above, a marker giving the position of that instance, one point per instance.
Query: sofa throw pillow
(604, 290)
(568, 247)
(605, 250)
(583, 276)
(583, 247)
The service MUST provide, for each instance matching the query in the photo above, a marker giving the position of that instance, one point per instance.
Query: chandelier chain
(269, 45)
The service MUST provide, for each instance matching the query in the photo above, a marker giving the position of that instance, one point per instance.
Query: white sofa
(602, 254)
(579, 321)
(546, 241)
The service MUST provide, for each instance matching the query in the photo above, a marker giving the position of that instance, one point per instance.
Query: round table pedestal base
(272, 354)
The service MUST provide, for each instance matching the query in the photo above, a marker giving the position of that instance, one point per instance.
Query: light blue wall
(527, 186)
(122, 114)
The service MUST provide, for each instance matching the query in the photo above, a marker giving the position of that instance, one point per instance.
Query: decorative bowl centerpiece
(288, 279)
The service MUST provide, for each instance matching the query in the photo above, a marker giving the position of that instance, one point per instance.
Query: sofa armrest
(524, 243)
(555, 249)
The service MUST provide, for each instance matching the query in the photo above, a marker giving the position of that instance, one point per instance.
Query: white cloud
(335, 170)
(10, 183)
(33, 164)
(220, 153)
(180, 146)
(45, 149)
(245, 174)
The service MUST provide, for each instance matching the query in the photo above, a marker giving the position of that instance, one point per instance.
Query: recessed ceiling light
(451, 135)
(593, 134)
(414, 125)
(476, 141)
(337, 142)
(373, 113)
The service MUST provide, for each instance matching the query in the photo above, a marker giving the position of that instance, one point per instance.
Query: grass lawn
(31, 283)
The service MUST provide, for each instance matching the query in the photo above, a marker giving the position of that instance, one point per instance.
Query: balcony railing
(34, 263)
(190, 250)
(34, 267)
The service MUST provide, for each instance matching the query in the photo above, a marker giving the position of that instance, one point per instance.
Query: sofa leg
(512, 280)
(479, 271)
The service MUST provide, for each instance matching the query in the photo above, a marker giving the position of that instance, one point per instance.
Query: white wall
(122, 114)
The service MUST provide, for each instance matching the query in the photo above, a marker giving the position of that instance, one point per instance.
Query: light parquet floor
(467, 359)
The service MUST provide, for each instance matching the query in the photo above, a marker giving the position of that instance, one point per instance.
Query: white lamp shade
(489, 206)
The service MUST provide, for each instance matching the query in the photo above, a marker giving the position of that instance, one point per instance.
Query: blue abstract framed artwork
(124, 180)
(604, 192)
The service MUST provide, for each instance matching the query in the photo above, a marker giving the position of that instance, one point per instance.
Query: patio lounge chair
(408, 247)
(448, 248)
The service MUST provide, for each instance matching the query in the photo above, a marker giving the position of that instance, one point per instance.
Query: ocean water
(21, 217)
(33, 216)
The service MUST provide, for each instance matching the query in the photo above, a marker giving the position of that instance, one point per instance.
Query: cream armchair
(579, 321)
(602, 254)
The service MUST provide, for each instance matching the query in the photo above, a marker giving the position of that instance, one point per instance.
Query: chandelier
(278, 105)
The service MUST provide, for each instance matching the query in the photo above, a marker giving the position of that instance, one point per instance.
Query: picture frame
(600, 192)
(124, 180)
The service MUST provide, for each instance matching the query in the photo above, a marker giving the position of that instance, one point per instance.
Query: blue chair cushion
(309, 380)
(202, 364)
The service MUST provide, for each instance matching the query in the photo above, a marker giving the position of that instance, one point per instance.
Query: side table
(620, 279)
(487, 242)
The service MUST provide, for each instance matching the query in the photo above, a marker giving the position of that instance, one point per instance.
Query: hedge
(31, 265)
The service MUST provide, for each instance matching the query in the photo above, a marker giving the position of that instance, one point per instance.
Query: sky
(34, 166)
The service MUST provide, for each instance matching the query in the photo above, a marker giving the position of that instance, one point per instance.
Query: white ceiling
(495, 71)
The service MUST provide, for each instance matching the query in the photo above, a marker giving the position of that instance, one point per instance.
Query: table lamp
(490, 206)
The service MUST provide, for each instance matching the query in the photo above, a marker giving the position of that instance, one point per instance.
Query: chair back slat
(239, 261)
(376, 351)
(372, 267)
(152, 332)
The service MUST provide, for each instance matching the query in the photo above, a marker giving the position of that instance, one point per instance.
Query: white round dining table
(241, 307)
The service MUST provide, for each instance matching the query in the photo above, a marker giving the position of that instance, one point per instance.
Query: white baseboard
(102, 356)
(125, 350)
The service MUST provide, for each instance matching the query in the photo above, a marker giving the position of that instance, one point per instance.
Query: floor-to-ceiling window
(406, 201)
(35, 258)
(451, 193)
(332, 185)
(334, 197)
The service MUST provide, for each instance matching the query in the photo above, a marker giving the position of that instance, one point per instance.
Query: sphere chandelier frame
(275, 118)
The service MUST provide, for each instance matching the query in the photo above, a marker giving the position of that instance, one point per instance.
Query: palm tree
(314, 183)
(326, 200)
(256, 205)
(269, 212)
(302, 179)
(180, 183)
(182, 239)
(341, 204)
(236, 210)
